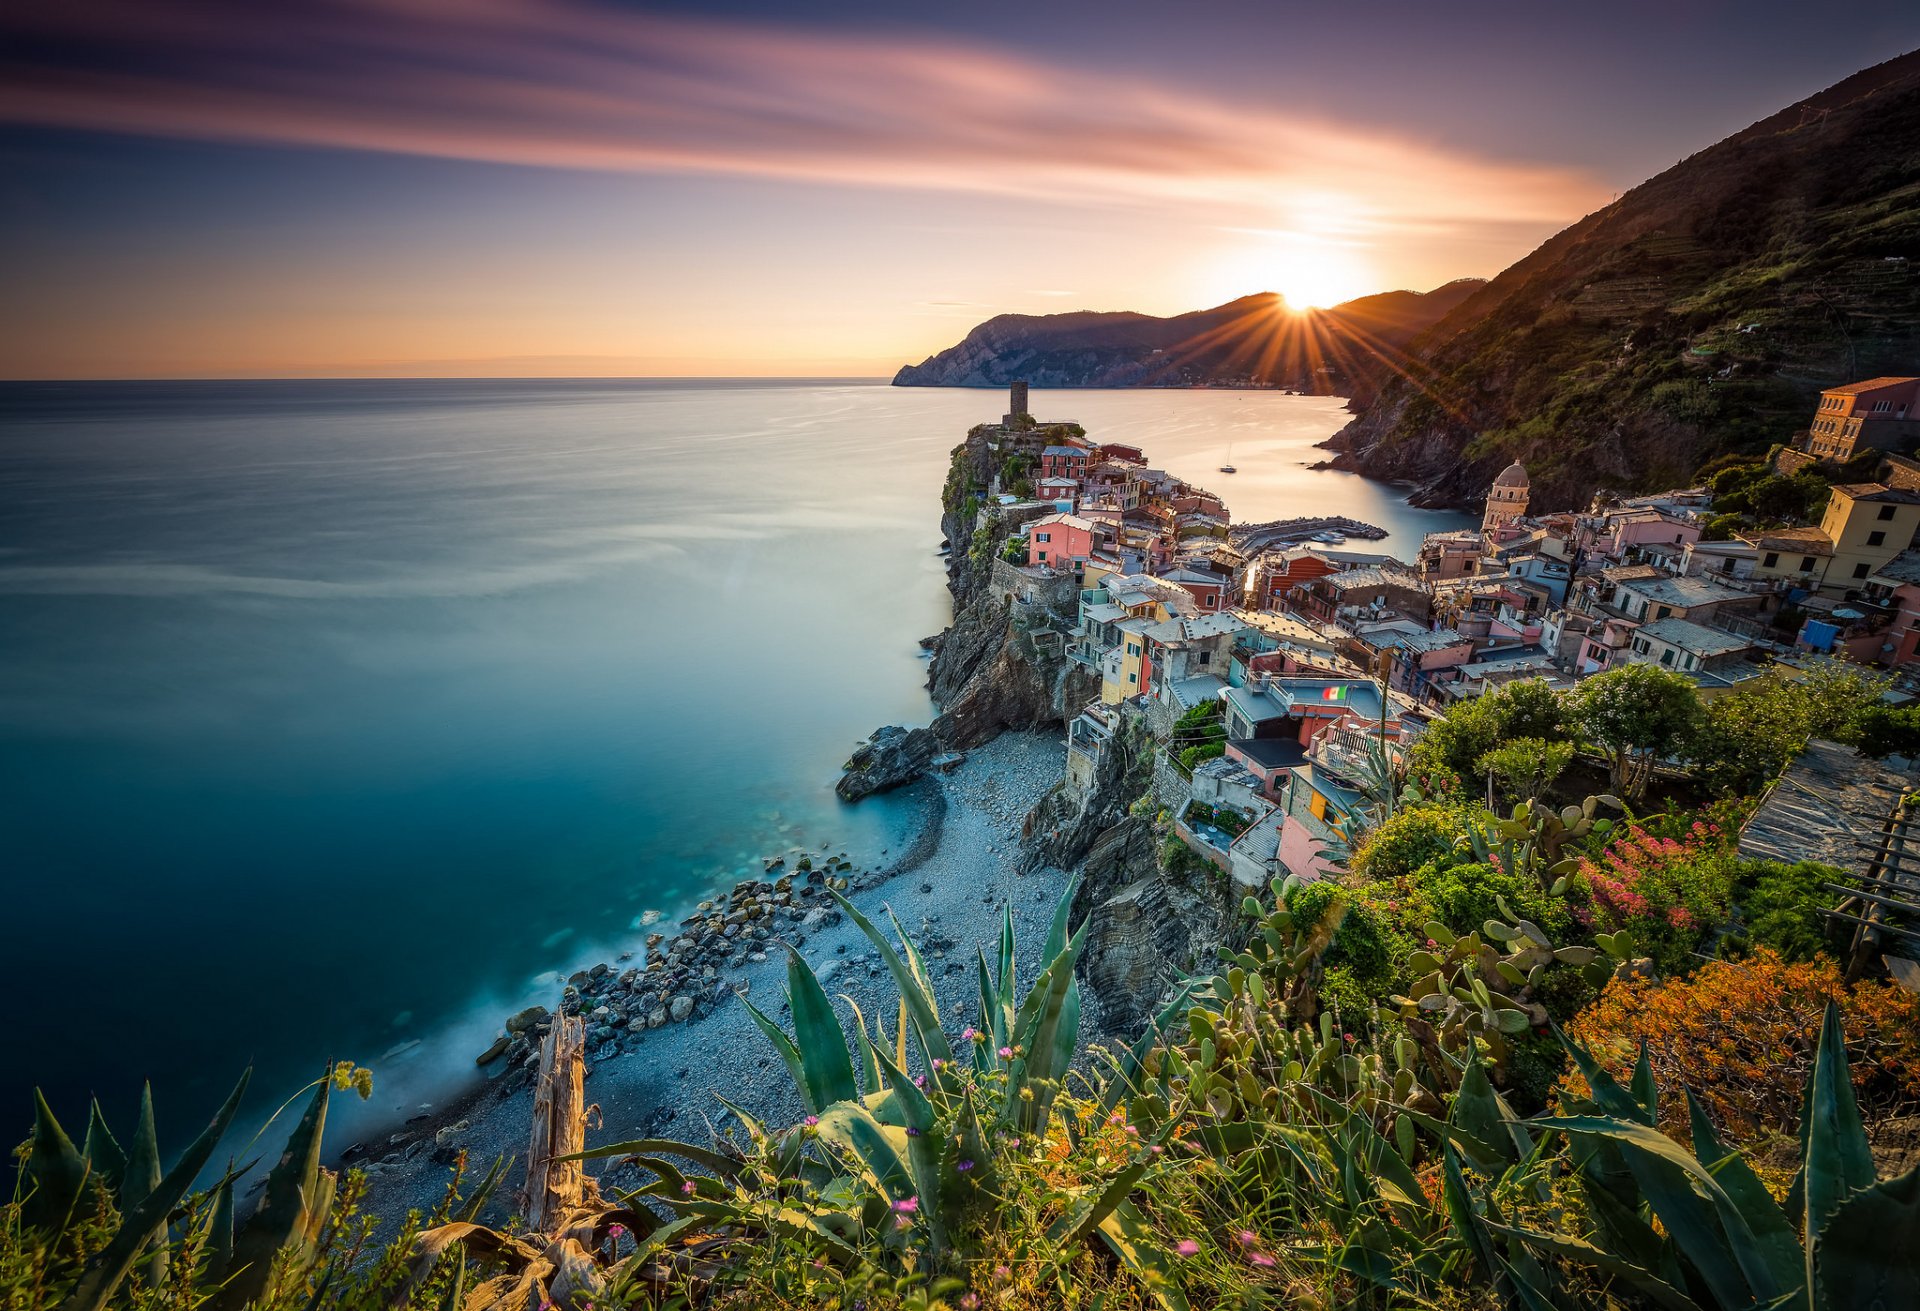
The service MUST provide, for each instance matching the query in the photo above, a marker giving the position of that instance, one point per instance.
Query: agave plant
(280, 1238)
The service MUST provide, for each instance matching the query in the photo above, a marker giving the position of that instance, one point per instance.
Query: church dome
(1514, 475)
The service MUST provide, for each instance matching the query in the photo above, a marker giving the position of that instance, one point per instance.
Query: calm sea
(337, 717)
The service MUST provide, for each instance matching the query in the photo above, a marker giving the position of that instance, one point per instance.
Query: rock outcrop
(1146, 928)
(891, 757)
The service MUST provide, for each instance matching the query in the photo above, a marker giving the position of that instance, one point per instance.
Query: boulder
(522, 1021)
(680, 1008)
(494, 1052)
(892, 757)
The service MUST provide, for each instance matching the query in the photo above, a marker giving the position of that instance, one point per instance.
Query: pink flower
(1006, 1053)
(1260, 1259)
(811, 1120)
(616, 1231)
(907, 1205)
(687, 1188)
(968, 1034)
(1187, 1247)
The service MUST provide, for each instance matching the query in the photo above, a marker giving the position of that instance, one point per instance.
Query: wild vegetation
(1551, 1050)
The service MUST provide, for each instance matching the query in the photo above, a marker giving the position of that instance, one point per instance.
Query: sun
(1316, 277)
(1312, 270)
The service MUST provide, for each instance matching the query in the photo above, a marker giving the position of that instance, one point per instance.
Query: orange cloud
(569, 84)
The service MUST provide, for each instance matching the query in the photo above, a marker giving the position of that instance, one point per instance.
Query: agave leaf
(1692, 1206)
(875, 1150)
(1467, 1223)
(293, 1185)
(1130, 1237)
(925, 1012)
(1048, 1030)
(1581, 1252)
(869, 1068)
(56, 1171)
(818, 1035)
(1067, 1233)
(718, 1163)
(1863, 1258)
(1126, 1071)
(1838, 1160)
(789, 1053)
(1006, 986)
(102, 1151)
(220, 1230)
(1486, 1119)
(110, 1267)
(1773, 1232)
(989, 1017)
(137, 1182)
(1606, 1091)
(1642, 1087)
(923, 1148)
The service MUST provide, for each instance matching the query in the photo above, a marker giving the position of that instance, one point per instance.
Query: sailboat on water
(1228, 466)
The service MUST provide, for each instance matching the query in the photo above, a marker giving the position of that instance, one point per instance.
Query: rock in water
(894, 756)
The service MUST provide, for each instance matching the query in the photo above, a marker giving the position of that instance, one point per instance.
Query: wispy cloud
(574, 84)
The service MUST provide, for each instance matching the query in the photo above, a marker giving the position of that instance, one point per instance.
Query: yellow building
(1868, 525)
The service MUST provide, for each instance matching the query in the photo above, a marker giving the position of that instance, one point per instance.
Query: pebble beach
(660, 1059)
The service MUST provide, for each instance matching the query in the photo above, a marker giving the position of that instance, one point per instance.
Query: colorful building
(1061, 541)
(1880, 413)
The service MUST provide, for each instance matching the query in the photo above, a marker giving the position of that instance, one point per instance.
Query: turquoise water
(339, 715)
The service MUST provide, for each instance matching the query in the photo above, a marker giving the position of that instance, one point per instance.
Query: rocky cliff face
(1146, 926)
(1698, 314)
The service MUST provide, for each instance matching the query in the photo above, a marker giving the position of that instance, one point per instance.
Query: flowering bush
(1742, 1034)
(1663, 893)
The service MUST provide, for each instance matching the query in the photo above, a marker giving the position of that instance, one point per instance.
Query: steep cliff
(1254, 341)
(1699, 313)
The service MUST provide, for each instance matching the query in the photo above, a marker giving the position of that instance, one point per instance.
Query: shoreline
(949, 888)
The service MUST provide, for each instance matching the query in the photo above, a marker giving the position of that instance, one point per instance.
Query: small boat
(1228, 468)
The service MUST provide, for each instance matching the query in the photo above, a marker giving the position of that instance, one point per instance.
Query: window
(1876, 539)
(1316, 805)
(1666, 657)
(1806, 564)
(1886, 513)
(1133, 678)
(1133, 648)
(1043, 557)
(1770, 559)
(1206, 657)
(1043, 537)
(1860, 570)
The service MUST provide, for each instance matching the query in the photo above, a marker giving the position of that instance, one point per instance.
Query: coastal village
(1276, 662)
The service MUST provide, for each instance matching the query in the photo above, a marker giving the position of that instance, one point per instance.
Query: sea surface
(338, 719)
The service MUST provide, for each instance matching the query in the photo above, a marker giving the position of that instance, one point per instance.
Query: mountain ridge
(1254, 340)
(1699, 313)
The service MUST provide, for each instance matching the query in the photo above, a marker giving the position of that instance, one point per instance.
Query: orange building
(1880, 413)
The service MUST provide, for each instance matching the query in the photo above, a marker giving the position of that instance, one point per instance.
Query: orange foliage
(1741, 1035)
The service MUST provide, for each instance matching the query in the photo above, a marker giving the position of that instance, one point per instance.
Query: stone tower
(1507, 499)
(1016, 403)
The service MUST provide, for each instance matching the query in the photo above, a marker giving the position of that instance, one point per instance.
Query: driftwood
(565, 1257)
(557, 1190)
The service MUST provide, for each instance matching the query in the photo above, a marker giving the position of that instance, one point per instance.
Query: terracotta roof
(1514, 475)
(1871, 384)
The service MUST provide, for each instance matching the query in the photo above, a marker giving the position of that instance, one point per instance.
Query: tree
(1885, 731)
(1749, 735)
(1457, 741)
(1527, 766)
(1636, 714)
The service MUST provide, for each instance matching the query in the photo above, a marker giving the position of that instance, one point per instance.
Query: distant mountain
(1699, 313)
(1254, 341)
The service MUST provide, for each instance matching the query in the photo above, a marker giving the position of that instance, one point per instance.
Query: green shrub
(1780, 907)
(1414, 837)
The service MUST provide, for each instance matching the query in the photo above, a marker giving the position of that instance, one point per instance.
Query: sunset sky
(530, 187)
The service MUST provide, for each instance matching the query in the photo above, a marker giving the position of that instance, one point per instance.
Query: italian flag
(1334, 693)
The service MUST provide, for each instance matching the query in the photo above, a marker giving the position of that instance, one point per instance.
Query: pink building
(1061, 541)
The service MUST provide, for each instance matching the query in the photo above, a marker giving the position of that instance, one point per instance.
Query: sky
(225, 188)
